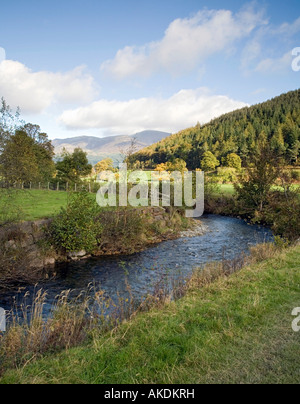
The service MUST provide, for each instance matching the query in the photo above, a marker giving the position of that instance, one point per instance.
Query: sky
(115, 67)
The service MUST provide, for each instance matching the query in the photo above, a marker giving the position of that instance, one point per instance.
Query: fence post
(48, 186)
(57, 186)
(67, 187)
(30, 185)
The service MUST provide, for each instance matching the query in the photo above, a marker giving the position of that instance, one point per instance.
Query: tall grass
(72, 321)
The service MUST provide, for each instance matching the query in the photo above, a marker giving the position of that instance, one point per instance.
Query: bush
(282, 213)
(227, 175)
(296, 175)
(77, 227)
(122, 230)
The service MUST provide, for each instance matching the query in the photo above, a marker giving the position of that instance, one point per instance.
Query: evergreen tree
(276, 121)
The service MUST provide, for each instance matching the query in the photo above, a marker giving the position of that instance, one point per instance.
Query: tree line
(27, 154)
(276, 122)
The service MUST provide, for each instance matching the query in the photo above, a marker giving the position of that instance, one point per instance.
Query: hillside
(277, 121)
(99, 148)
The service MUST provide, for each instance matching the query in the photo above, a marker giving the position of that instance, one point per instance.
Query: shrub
(78, 226)
(122, 230)
(282, 213)
(227, 175)
(296, 175)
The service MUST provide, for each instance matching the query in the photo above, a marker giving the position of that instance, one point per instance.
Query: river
(226, 238)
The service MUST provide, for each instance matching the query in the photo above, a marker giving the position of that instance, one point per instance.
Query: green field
(227, 189)
(35, 204)
(235, 330)
(40, 204)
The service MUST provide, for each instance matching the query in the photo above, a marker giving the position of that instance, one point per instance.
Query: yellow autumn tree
(104, 165)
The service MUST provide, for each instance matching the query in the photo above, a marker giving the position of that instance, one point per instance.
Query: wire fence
(57, 186)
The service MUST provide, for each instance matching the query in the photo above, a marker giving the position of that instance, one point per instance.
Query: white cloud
(289, 29)
(251, 52)
(275, 65)
(259, 56)
(180, 111)
(2, 54)
(33, 92)
(186, 44)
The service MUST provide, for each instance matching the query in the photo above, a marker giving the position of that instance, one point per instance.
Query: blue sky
(118, 67)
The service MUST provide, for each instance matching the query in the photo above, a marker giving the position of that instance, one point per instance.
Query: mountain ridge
(111, 146)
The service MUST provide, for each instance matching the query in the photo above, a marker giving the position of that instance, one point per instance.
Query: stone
(11, 244)
(27, 241)
(76, 255)
(198, 230)
(50, 261)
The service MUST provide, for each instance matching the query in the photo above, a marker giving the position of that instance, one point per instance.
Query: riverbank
(28, 254)
(227, 329)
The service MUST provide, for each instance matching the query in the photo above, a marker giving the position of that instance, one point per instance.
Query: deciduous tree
(209, 162)
(104, 165)
(73, 166)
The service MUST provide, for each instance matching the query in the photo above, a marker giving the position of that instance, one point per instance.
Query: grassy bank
(236, 329)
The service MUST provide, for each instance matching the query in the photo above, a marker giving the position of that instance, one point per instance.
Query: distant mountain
(100, 148)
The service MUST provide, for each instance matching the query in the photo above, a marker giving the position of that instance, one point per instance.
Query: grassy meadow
(43, 204)
(35, 204)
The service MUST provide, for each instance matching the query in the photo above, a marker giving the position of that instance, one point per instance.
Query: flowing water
(226, 238)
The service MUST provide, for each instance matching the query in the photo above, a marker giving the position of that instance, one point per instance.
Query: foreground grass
(235, 330)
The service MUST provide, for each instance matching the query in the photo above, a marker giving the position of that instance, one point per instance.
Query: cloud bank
(186, 44)
(34, 92)
(184, 109)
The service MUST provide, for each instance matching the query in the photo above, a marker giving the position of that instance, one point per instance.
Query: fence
(92, 187)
